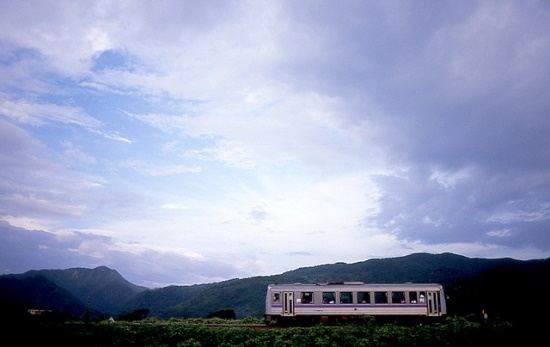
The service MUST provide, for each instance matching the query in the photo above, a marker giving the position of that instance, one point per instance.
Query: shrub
(224, 314)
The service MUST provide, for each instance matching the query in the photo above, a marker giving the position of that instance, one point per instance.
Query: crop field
(455, 331)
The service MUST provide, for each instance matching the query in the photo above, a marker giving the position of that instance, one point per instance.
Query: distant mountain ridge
(247, 296)
(17, 294)
(105, 291)
(417, 267)
(102, 290)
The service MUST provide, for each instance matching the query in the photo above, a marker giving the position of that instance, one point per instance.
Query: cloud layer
(241, 138)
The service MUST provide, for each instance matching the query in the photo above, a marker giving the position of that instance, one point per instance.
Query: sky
(183, 142)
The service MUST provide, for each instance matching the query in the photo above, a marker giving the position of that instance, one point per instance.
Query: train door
(288, 304)
(433, 303)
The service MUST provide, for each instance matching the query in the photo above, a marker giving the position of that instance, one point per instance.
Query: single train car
(286, 302)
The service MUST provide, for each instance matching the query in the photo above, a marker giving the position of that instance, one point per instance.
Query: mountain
(247, 296)
(36, 292)
(472, 284)
(515, 292)
(101, 290)
(442, 268)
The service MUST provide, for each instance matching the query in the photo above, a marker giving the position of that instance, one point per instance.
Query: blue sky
(184, 142)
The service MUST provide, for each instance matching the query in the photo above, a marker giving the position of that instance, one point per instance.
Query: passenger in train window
(380, 297)
(398, 297)
(346, 297)
(363, 297)
(329, 297)
(422, 298)
(307, 297)
(412, 297)
(276, 297)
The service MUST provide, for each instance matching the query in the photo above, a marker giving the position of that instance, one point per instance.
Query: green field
(455, 331)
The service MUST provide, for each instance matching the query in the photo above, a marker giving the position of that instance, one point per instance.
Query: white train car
(352, 299)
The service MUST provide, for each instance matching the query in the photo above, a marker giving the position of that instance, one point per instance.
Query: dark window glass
(329, 297)
(363, 297)
(380, 297)
(413, 297)
(276, 297)
(398, 297)
(346, 298)
(307, 297)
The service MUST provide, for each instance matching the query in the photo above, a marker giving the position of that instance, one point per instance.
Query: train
(350, 300)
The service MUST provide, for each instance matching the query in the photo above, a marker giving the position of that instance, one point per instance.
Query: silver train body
(352, 299)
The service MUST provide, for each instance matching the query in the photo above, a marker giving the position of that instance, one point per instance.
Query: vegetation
(455, 331)
(224, 314)
(460, 276)
(100, 290)
(135, 315)
(507, 289)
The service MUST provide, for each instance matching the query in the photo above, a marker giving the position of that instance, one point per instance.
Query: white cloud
(499, 233)
(75, 153)
(99, 40)
(393, 128)
(449, 179)
(29, 223)
(511, 213)
(172, 206)
(36, 114)
(224, 152)
(153, 169)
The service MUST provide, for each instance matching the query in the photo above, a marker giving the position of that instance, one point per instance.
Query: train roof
(351, 286)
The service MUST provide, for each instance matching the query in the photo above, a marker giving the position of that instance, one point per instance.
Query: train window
(398, 297)
(307, 298)
(422, 297)
(346, 298)
(380, 297)
(276, 297)
(413, 297)
(329, 297)
(363, 297)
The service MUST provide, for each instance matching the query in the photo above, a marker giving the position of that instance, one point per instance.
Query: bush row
(455, 331)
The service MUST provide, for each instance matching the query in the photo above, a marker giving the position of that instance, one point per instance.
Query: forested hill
(443, 268)
(470, 282)
(100, 290)
(247, 296)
